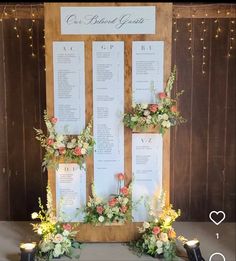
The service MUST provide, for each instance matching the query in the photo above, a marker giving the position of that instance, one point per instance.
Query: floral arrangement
(64, 147)
(163, 114)
(57, 237)
(158, 237)
(116, 210)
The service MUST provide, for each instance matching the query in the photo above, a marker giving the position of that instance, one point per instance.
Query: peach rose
(100, 209)
(112, 202)
(171, 234)
(156, 230)
(124, 191)
(173, 109)
(120, 176)
(67, 227)
(77, 151)
(62, 150)
(162, 95)
(50, 141)
(53, 120)
(153, 107)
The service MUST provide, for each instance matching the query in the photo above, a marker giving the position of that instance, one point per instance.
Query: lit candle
(193, 250)
(27, 251)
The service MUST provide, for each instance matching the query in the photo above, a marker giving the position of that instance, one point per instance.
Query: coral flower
(162, 95)
(156, 230)
(50, 141)
(53, 120)
(124, 191)
(77, 151)
(112, 202)
(100, 209)
(67, 227)
(120, 176)
(123, 209)
(173, 109)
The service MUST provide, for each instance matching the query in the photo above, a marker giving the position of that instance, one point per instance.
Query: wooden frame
(52, 33)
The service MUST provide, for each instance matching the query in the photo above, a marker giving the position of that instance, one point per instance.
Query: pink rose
(100, 209)
(53, 120)
(50, 141)
(112, 202)
(120, 176)
(67, 227)
(77, 151)
(162, 95)
(124, 191)
(173, 109)
(123, 209)
(153, 107)
(62, 150)
(156, 230)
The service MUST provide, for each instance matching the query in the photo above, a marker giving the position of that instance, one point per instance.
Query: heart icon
(216, 215)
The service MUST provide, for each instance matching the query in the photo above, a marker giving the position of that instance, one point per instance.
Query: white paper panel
(147, 169)
(147, 70)
(108, 20)
(108, 107)
(70, 191)
(69, 86)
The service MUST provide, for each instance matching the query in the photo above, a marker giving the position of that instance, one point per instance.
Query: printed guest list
(147, 170)
(108, 107)
(70, 192)
(147, 70)
(69, 86)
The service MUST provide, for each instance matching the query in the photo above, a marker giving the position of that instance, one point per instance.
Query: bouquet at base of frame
(64, 148)
(57, 237)
(116, 210)
(158, 237)
(161, 115)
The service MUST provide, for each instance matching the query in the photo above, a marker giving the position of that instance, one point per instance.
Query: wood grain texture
(52, 33)
(20, 99)
(203, 149)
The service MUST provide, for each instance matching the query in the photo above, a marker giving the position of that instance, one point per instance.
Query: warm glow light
(192, 243)
(27, 246)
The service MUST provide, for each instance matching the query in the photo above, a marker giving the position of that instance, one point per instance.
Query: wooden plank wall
(203, 156)
(22, 101)
(203, 152)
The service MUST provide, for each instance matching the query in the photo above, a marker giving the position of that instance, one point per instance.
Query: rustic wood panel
(199, 128)
(218, 87)
(181, 135)
(230, 139)
(15, 124)
(203, 149)
(22, 101)
(52, 31)
(4, 204)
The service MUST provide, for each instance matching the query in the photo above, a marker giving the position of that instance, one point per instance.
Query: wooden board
(52, 33)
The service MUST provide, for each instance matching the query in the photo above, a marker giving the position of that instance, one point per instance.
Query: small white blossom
(83, 151)
(101, 219)
(34, 215)
(144, 106)
(146, 225)
(146, 112)
(165, 117)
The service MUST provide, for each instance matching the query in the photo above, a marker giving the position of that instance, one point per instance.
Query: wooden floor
(13, 233)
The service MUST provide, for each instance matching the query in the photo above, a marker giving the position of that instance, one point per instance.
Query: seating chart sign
(147, 70)
(70, 192)
(108, 107)
(108, 20)
(147, 170)
(69, 86)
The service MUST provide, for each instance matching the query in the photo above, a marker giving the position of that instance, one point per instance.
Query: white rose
(149, 117)
(159, 244)
(40, 231)
(115, 209)
(34, 215)
(159, 250)
(58, 238)
(70, 145)
(159, 118)
(86, 145)
(148, 121)
(144, 106)
(83, 151)
(101, 219)
(164, 123)
(146, 225)
(163, 237)
(73, 140)
(109, 215)
(125, 201)
(165, 117)
(65, 233)
(57, 250)
(146, 112)
(168, 124)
